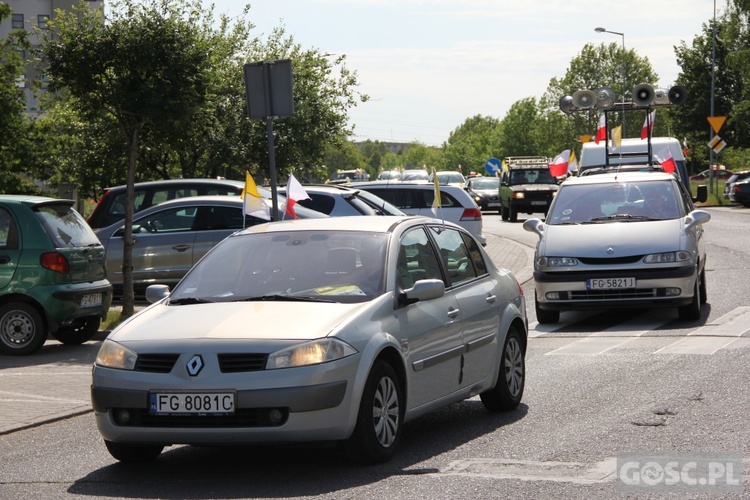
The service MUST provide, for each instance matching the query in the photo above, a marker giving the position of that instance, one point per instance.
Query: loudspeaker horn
(605, 98)
(566, 104)
(584, 99)
(660, 97)
(677, 94)
(643, 94)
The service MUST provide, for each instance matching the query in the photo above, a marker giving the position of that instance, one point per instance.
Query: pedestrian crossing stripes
(708, 339)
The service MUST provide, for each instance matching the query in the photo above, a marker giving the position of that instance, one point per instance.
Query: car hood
(624, 238)
(236, 320)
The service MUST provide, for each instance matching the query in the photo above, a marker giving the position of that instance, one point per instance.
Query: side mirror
(422, 290)
(155, 293)
(702, 194)
(696, 217)
(534, 226)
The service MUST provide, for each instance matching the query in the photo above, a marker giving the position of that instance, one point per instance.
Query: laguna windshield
(340, 266)
(615, 202)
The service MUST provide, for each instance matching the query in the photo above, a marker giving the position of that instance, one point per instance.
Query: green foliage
(472, 144)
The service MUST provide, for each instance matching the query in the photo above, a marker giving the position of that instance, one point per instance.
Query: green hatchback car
(52, 275)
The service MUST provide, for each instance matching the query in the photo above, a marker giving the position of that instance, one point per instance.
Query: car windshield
(531, 176)
(614, 202)
(485, 183)
(340, 266)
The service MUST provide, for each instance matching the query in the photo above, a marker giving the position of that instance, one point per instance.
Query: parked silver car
(174, 235)
(318, 330)
(416, 198)
(339, 200)
(627, 239)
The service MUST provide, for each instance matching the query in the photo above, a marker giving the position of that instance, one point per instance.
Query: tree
(596, 66)
(145, 65)
(471, 144)
(14, 125)
(518, 135)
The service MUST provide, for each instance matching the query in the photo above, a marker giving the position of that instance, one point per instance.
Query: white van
(633, 151)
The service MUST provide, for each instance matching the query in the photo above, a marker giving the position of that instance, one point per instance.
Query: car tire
(704, 295)
(692, 311)
(133, 452)
(508, 391)
(78, 335)
(545, 317)
(380, 418)
(512, 214)
(22, 329)
(504, 213)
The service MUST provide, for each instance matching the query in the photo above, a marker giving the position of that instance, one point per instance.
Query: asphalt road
(600, 386)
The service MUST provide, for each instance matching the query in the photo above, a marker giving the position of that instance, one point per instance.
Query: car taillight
(55, 262)
(471, 214)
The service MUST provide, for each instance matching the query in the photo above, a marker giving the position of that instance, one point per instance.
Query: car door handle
(453, 313)
(491, 299)
(180, 248)
(4, 259)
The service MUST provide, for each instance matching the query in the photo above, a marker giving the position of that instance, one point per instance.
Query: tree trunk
(128, 295)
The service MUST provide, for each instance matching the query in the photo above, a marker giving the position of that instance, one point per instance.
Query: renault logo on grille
(610, 251)
(195, 365)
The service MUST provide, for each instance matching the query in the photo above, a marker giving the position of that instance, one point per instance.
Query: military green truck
(526, 186)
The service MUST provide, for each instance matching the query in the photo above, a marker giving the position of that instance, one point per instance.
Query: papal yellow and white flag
(436, 201)
(252, 202)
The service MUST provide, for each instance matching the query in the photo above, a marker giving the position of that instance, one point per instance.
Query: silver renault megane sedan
(337, 329)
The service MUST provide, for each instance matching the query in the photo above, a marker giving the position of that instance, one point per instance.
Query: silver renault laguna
(337, 329)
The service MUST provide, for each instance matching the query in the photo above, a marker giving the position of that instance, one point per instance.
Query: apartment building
(27, 15)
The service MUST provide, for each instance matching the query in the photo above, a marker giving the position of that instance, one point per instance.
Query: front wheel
(508, 390)
(132, 452)
(22, 330)
(80, 332)
(692, 311)
(380, 417)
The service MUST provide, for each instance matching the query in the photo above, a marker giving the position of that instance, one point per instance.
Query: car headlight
(517, 196)
(309, 353)
(667, 257)
(557, 261)
(114, 355)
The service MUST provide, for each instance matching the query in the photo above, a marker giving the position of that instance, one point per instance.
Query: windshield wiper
(627, 217)
(189, 300)
(284, 298)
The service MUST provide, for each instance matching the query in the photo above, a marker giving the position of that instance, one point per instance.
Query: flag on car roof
(664, 157)
(558, 167)
(617, 136)
(648, 125)
(252, 202)
(436, 201)
(294, 193)
(601, 130)
(572, 163)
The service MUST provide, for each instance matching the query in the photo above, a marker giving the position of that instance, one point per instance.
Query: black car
(484, 191)
(736, 177)
(740, 193)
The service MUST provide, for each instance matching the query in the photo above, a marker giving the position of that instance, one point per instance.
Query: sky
(429, 65)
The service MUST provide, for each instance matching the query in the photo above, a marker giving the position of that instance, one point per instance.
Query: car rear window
(413, 198)
(65, 227)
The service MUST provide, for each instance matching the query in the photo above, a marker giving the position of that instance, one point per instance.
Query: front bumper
(271, 406)
(650, 291)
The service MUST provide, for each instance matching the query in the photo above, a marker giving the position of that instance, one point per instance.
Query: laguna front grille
(638, 293)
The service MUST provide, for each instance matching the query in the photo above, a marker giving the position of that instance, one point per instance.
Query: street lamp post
(604, 30)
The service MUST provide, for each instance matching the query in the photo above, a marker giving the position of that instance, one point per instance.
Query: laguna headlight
(557, 261)
(114, 355)
(309, 353)
(667, 257)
